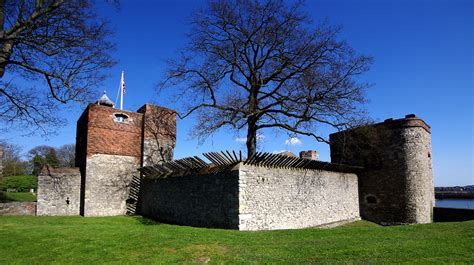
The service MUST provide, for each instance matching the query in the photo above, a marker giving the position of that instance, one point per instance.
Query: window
(371, 199)
(120, 117)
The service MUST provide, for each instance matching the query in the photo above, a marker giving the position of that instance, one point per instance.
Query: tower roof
(105, 101)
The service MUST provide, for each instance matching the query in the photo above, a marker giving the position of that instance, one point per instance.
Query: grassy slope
(21, 183)
(138, 240)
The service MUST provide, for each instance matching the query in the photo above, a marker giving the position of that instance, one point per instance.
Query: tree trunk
(252, 121)
(251, 136)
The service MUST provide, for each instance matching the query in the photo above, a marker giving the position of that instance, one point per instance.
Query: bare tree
(67, 155)
(12, 162)
(51, 52)
(263, 64)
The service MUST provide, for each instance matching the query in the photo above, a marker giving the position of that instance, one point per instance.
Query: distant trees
(51, 52)
(13, 164)
(255, 64)
(67, 155)
(43, 155)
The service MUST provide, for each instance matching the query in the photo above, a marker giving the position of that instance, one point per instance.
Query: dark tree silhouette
(51, 52)
(263, 64)
(43, 155)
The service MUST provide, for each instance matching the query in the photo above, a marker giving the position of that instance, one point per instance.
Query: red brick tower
(111, 144)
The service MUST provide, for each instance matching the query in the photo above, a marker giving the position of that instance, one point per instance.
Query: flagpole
(121, 92)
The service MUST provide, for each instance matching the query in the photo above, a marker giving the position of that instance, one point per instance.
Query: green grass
(21, 183)
(17, 197)
(42, 240)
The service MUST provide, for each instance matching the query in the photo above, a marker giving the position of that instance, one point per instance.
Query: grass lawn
(17, 197)
(138, 240)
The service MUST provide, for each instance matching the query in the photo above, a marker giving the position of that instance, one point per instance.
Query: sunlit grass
(42, 240)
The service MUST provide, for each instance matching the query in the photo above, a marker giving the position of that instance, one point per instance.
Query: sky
(424, 64)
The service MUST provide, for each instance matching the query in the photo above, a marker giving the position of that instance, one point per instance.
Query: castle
(125, 165)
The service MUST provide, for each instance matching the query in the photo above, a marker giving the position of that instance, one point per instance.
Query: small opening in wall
(120, 117)
(67, 201)
(371, 199)
(429, 154)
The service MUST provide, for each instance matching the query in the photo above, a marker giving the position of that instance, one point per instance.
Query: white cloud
(293, 141)
(260, 137)
(241, 139)
(278, 151)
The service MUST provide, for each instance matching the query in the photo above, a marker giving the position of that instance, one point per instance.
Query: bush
(20, 183)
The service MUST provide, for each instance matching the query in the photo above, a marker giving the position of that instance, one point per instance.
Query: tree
(43, 155)
(51, 53)
(263, 64)
(67, 155)
(13, 165)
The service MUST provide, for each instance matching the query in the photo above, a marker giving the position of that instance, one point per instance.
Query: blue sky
(423, 54)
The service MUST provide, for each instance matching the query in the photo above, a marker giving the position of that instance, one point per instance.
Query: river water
(455, 203)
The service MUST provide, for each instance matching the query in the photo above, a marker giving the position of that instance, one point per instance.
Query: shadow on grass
(145, 221)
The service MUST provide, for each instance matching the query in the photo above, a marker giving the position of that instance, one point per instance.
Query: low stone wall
(204, 200)
(441, 214)
(272, 198)
(18, 208)
(253, 198)
(59, 191)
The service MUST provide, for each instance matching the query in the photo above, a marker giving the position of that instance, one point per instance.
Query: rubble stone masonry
(253, 198)
(59, 191)
(396, 184)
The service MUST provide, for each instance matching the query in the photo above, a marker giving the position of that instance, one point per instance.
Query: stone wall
(106, 184)
(253, 198)
(59, 191)
(396, 185)
(272, 198)
(18, 208)
(204, 200)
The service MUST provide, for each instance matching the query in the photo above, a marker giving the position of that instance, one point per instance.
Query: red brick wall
(108, 136)
(160, 123)
(99, 132)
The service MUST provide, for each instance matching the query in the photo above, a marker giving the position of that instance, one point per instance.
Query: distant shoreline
(453, 195)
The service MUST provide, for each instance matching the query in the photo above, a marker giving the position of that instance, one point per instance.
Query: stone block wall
(396, 185)
(18, 208)
(273, 198)
(59, 191)
(204, 200)
(253, 198)
(107, 184)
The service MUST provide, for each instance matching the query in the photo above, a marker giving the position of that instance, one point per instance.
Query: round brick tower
(396, 185)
